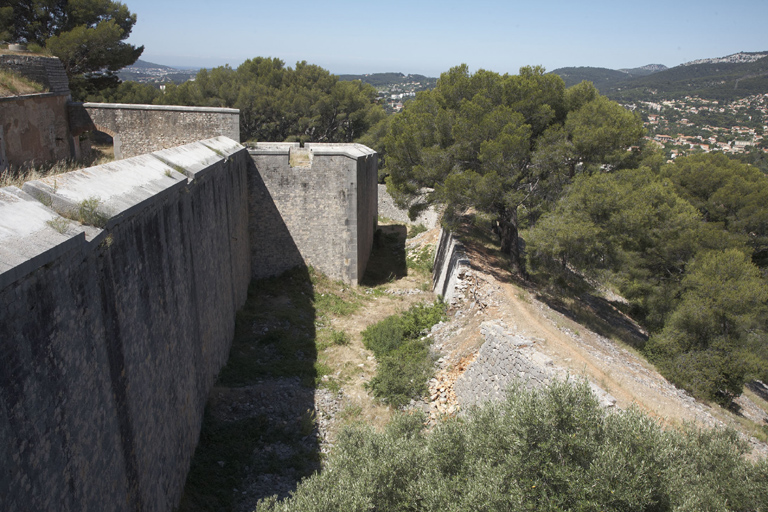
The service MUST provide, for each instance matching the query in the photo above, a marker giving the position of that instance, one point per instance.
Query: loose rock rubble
(285, 404)
(442, 398)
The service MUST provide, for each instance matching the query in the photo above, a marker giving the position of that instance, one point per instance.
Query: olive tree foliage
(495, 143)
(88, 36)
(553, 449)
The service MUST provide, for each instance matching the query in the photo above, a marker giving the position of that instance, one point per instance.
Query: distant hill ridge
(723, 78)
(736, 58)
(645, 70)
(391, 78)
(142, 64)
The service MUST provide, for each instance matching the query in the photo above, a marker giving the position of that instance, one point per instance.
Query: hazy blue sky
(428, 37)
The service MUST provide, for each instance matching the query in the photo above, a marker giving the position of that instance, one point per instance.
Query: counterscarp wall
(112, 335)
(325, 195)
(450, 264)
(140, 129)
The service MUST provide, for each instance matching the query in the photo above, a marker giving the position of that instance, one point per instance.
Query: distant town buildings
(698, 125)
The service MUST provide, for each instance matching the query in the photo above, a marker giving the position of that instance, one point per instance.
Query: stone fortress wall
(46, 127)
(35, 127)
(112, 335)
(140, 129)
(326, 196)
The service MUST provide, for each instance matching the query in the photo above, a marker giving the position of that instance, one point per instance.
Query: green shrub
(384, 336)
(416, 229)
(339, 338)
(421, 260)
(421, 317)
(405, 364)
(403, 373)
(552, 449)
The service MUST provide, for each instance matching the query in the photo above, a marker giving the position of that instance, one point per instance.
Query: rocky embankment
(501, 335)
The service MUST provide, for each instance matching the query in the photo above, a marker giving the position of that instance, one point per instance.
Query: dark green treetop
(494, 143)
(87, 35)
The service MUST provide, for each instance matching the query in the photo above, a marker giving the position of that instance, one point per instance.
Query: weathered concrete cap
(222, 144)
(168, 108)
(31, 235)
(272, 148)
(113, 191)
(199, 156)
(350, 150)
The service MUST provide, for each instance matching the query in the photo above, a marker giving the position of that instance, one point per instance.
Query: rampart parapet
(113, 333)
(141, 129)
(119, 286)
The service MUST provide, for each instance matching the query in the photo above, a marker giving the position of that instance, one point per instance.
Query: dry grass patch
(16, 176)
(13, 84)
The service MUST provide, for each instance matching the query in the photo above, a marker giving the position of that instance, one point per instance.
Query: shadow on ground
(599, 315)
(259, 436)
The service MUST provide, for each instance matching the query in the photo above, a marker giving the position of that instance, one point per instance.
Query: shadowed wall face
(112, 336)
(35, 129)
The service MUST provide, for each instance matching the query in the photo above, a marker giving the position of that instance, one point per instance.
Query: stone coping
(172, 108)
(31, 235)
(35, 225)
(198, 158)
(33, 95)
(350, 150)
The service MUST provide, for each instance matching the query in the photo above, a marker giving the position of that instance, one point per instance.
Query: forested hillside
(602, 78)
(717, 81)
(723, 81)
(685, 243)
(390, 79)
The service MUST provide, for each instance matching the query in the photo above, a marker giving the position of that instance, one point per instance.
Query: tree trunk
(510, 239)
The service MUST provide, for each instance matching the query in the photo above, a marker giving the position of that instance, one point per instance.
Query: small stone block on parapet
(110, 191)
(31, 235)
(300, 157)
